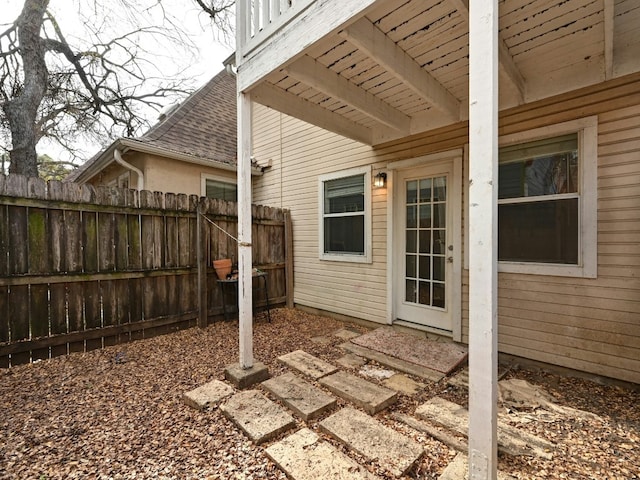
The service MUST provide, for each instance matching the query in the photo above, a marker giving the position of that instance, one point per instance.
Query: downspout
(117, 156)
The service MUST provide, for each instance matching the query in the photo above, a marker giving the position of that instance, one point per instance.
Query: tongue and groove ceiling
(403, 68)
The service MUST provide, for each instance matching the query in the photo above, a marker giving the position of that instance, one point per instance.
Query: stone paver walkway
(373, 440)
(307, 364)
(366, 395)
(301, 397)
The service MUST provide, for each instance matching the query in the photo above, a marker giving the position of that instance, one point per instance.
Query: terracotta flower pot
(223, 267)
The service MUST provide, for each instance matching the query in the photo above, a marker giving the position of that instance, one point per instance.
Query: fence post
(202, 269)
(288, 259)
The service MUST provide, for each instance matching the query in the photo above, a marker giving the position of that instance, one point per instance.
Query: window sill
(547, 269)
(328, 257)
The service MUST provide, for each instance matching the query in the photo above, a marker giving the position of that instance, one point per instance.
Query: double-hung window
(345, 212)
(220, 188)
(547, 200)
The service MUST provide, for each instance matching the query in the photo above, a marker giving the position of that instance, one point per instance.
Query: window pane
(544, 167)
(412, 191)
(439, 215)
(439, 241)
(344, 234)
(440, 189)
(425, 190)
(412, 221)
(424, 293)
(438, 294)
(438, 268)
(410, 291)
(411, 266)
(544, 232)
(411, 241)
(221, 190)
(424, 269)
(425, 216)
(344, 195)
(425, 241)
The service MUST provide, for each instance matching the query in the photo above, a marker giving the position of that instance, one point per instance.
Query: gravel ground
(117, 414)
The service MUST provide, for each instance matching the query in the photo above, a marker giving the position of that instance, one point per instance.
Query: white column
(483, 186)
(245, 286)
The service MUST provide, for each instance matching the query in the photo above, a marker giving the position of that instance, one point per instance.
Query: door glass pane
(411, 241)
(425, 190)
(425, 246)
(411, 291)
(411, 266)
(438, 268)
(425, 216)
(440, 189)
(438, 294)
(412, 191)
(424, 293)
(424, 268)
(425, 241)
(412, 221)
(439, 215)
(439, 241)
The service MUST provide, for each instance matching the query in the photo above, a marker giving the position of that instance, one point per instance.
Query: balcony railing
(258, 20)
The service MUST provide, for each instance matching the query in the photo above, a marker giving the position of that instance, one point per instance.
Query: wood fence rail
(85, 267)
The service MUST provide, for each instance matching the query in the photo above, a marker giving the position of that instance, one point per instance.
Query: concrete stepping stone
(208, 395)
(304, 456)
(365, 435)
(370, 397)
(510, 439)
(257, 416)
(351, 360)
(345, 334)
(304, 399)
(394, 363)
(459, 468)
(403, 384)
(307, 364)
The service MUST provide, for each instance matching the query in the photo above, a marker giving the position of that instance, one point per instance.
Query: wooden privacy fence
(84, 267)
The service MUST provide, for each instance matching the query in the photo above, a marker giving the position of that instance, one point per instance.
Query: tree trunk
(22, 110)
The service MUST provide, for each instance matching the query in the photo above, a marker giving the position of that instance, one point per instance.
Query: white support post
(483, 213)
(245, 297)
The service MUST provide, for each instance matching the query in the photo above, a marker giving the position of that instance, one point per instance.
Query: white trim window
(345, 215)
(547, 200)
(222, 188)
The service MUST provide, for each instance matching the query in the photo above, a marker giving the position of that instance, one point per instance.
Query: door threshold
(423, 328)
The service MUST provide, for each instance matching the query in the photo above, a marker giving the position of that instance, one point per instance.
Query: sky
(200, 63)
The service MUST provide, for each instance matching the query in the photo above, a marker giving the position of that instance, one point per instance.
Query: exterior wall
(162, 174)
(585, 324)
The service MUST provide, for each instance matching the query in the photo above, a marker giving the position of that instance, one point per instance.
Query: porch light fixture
(380, 180)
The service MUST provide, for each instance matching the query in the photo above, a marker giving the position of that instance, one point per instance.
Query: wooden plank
(18, 240)
(4, 323)
(19, 321)
(58, 315)
(202, 269)
(4, 239)
(92, 312)
(90, 242)
(106, 241)
(39, 318)
(109, 309)
(171, 232)
(136, 306)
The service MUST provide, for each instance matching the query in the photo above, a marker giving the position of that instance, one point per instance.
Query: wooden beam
(278, 99)
(609, 9)
(314, 23)
(374, 43)
(483, 235)
(314, 74)
(245, 280)
(508, 68)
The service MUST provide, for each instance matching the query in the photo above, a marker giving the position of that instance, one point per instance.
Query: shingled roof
(201, 129)
(204, 125)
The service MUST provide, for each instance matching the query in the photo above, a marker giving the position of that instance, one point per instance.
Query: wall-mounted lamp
(380, 180)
